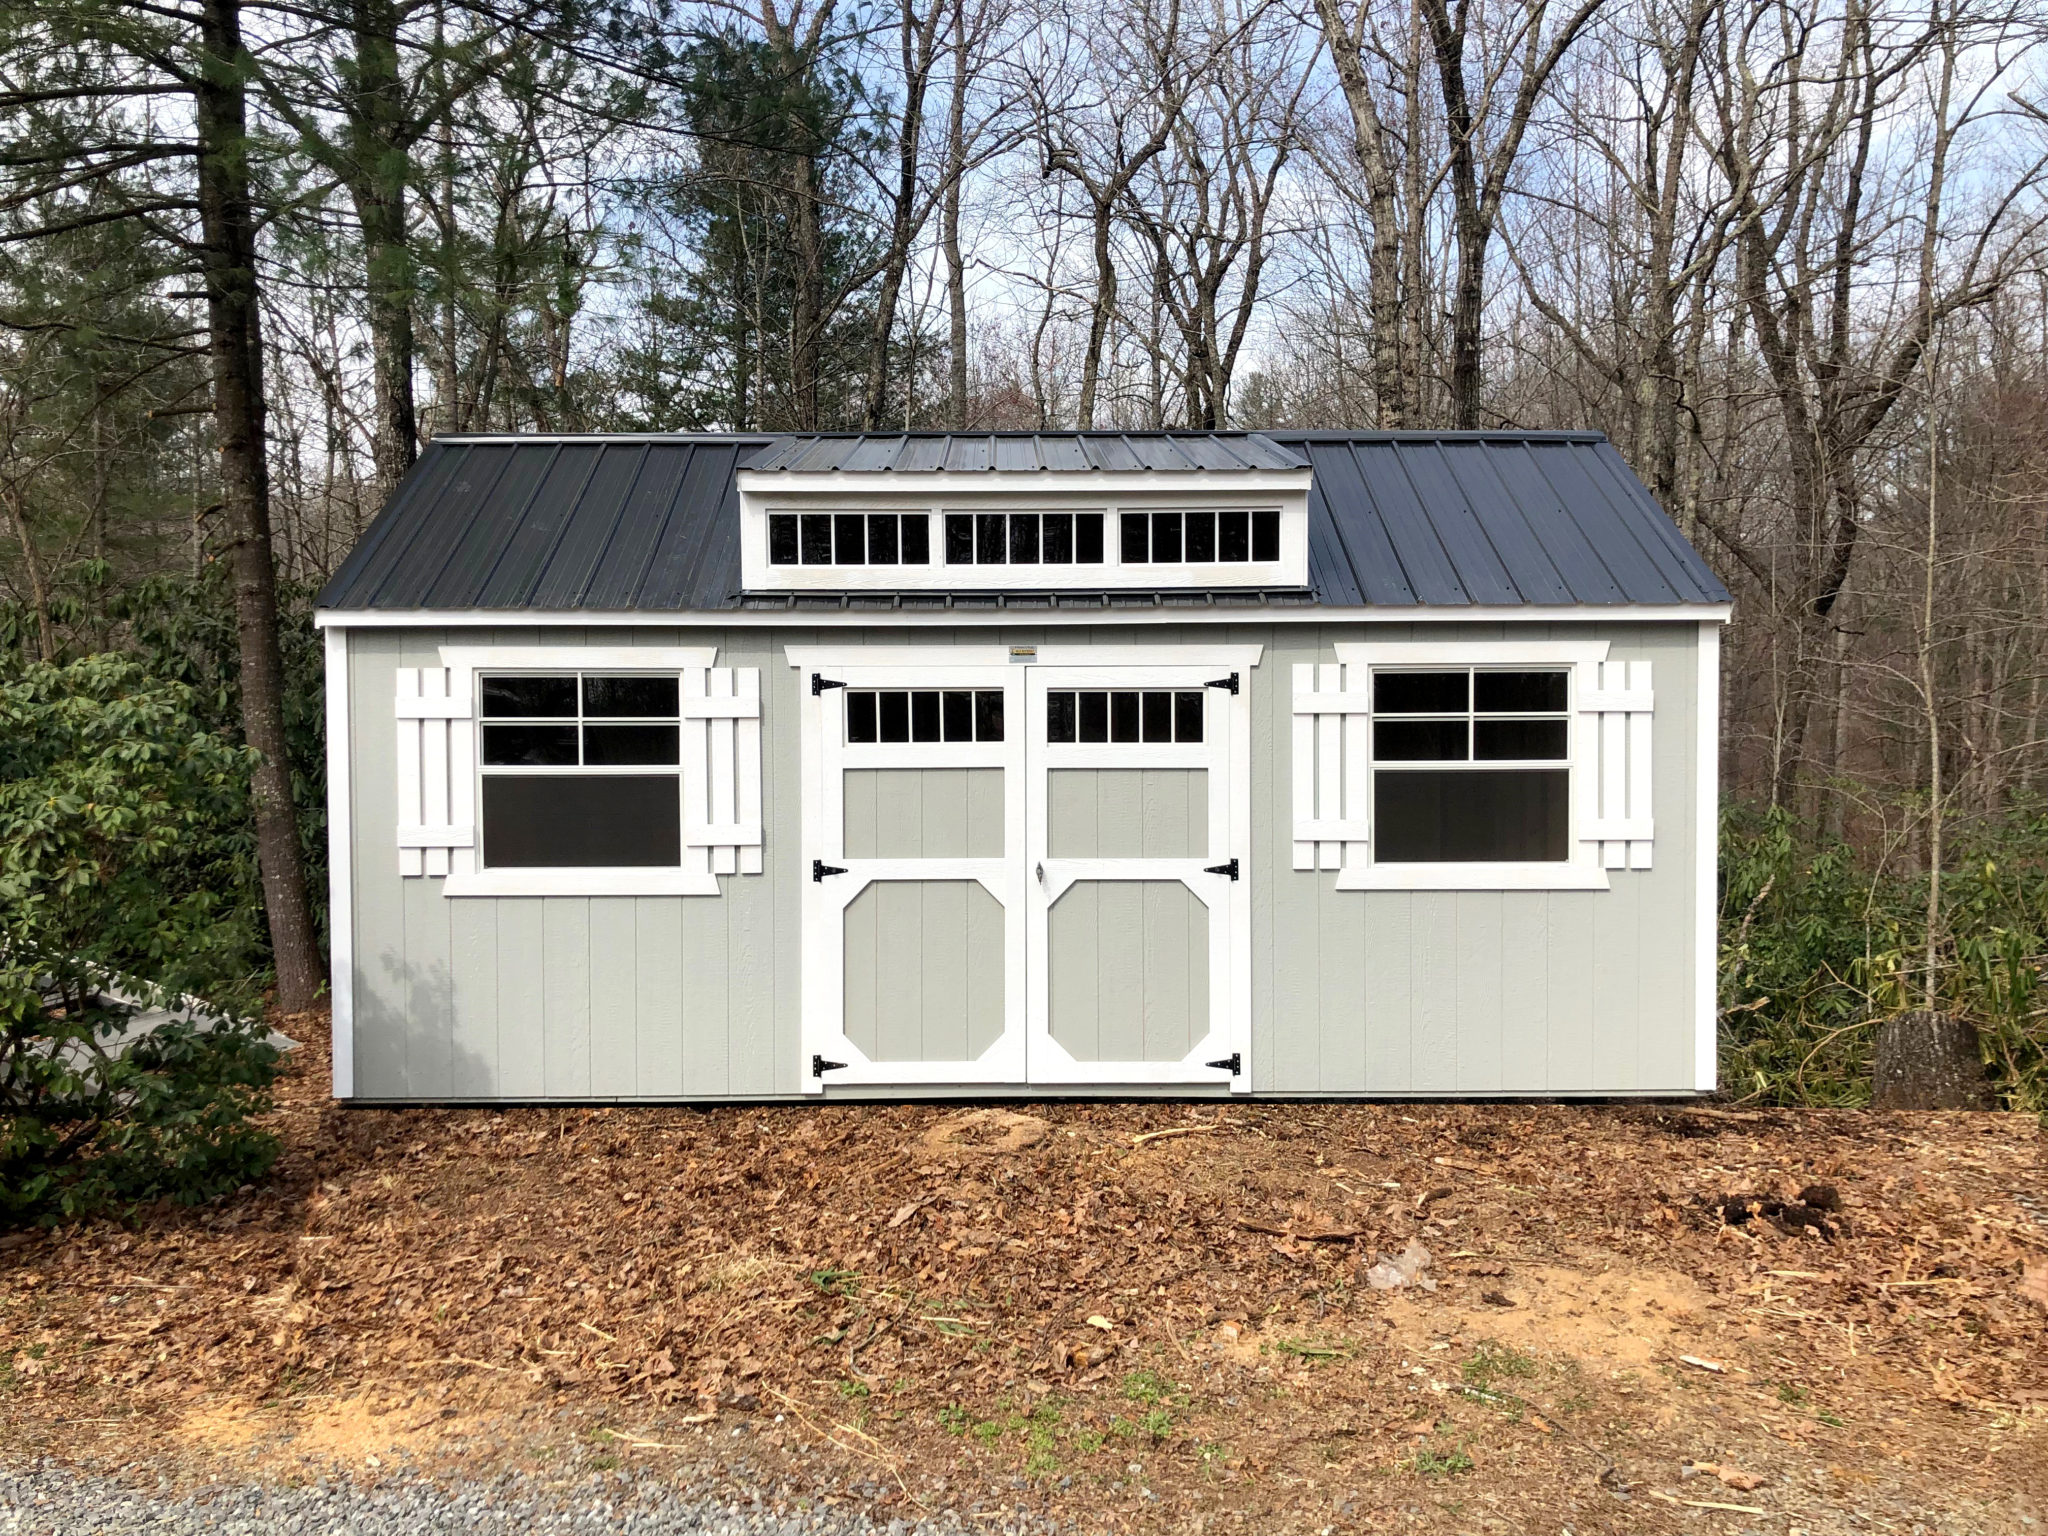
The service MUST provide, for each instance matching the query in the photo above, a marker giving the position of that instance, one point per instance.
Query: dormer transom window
(849, 538)
(1024, 538)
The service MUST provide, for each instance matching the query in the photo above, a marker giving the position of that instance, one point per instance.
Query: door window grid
(890, 715)
(1200, 538)
(849, 538)
(1024, 538)
(1082, 716)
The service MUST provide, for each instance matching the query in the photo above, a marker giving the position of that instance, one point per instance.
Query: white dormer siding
(1268, 507)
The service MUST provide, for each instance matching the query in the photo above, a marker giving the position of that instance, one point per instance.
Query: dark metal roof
(973, 452)
(651, 523)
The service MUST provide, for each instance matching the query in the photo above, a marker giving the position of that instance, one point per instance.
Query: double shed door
(1025, 875)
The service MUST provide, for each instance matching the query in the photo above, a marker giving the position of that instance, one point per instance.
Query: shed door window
(581, 770)
(1470, 766)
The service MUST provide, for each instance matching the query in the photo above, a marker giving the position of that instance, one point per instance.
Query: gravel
(46, 1497)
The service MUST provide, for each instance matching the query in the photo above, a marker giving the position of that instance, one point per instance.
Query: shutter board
(722, 832)
(436, 766)
(1331, 768)
(1616, 703)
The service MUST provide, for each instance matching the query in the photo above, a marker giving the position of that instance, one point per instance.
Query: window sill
(1472, 877)
(662, 881)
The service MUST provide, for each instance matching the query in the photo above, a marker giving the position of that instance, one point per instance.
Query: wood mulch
(1146, 1316)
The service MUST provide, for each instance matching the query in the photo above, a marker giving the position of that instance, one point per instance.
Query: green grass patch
(1493, 1363)
(837, 1282)
(1438, 1465)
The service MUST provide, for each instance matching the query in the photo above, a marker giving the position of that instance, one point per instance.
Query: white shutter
(1613, 767)
(722, 770)
(1332, 778)
(436, 769)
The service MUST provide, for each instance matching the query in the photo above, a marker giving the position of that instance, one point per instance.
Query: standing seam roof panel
(1432, 574)
(1504, 520)
(398, 524)
(489, 519)
(518, 561)
(1606, 527)
(564, 581)
(1482, 573)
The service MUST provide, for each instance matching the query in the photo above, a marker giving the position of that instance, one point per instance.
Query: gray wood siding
(1127, 813)
(924, 813)
(697, 997)
(924, 970)
(1129, 970)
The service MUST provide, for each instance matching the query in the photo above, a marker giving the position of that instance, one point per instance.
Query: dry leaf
(1097, 1320)
(2034, 1281)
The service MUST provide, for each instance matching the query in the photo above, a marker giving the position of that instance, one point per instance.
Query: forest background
(1789, 254)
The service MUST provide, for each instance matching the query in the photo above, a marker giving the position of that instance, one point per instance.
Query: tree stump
(1925, 1060)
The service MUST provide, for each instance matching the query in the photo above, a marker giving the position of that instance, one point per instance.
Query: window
(1024, 538)
(849, 538)
(924, 714)
(1123, 715)
(581, 770)
(1469, 766)
(1200, 538)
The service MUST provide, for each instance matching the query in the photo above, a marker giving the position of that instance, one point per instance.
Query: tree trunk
(1926, 1060)
(380, 165)
(38, 578)
(949, 227)
(235, 353)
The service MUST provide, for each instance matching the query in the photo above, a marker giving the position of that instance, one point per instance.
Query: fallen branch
(1739, 1509)
(1177, 1130)
(1302, 1237)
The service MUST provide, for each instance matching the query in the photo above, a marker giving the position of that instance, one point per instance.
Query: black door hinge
(820, 869)
(820, 684)
(820, 1066)
(1233, 1063)
(1229, 869)
(1229, 682)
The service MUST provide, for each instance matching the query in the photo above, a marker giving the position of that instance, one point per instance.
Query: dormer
(1036, 512)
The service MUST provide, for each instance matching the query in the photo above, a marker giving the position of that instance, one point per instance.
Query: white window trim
(694, 877)
(1582, 871)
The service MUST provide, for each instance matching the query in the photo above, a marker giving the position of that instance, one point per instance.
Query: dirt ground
(1146, 1317)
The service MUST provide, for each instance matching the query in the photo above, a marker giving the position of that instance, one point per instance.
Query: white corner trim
(1706, 858)
(1470, 653)
(341, 990)
(1015, 618)
(652, 880)
(571, 656)
(1472, 877)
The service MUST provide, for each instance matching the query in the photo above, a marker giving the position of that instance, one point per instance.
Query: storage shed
(748, 767)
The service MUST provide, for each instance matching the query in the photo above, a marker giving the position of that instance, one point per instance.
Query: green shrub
(1820, 940)
(122, 818)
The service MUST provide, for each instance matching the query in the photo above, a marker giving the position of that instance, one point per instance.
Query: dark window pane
(1233, 536)
(782, 538)
(530, 746)
(1419, 741)
(1518, 693)
(521, 696)
(881, 538)
(817, 538)
(860, 717)
(1451, 817)
(988, 715)
(578, 822)
(1166, 538)
(850, 539)
(1059, 538)
(1187, 717)
(959, 538)
(1094, 711)
(917, 539)
(1135, 544)
(1523, 740)
(1158, 716)
(1419, 693)
(611, 746)
(959, 716)
(1201, 538)
(1023, 538)
(991, 538)
(646, 697)
(1088, 538)
(1123, 716)
(1059, 717)
(1265, 535)
(924, 716)
(895, 716)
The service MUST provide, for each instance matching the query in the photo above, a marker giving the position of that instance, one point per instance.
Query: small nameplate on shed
(1024, 653)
